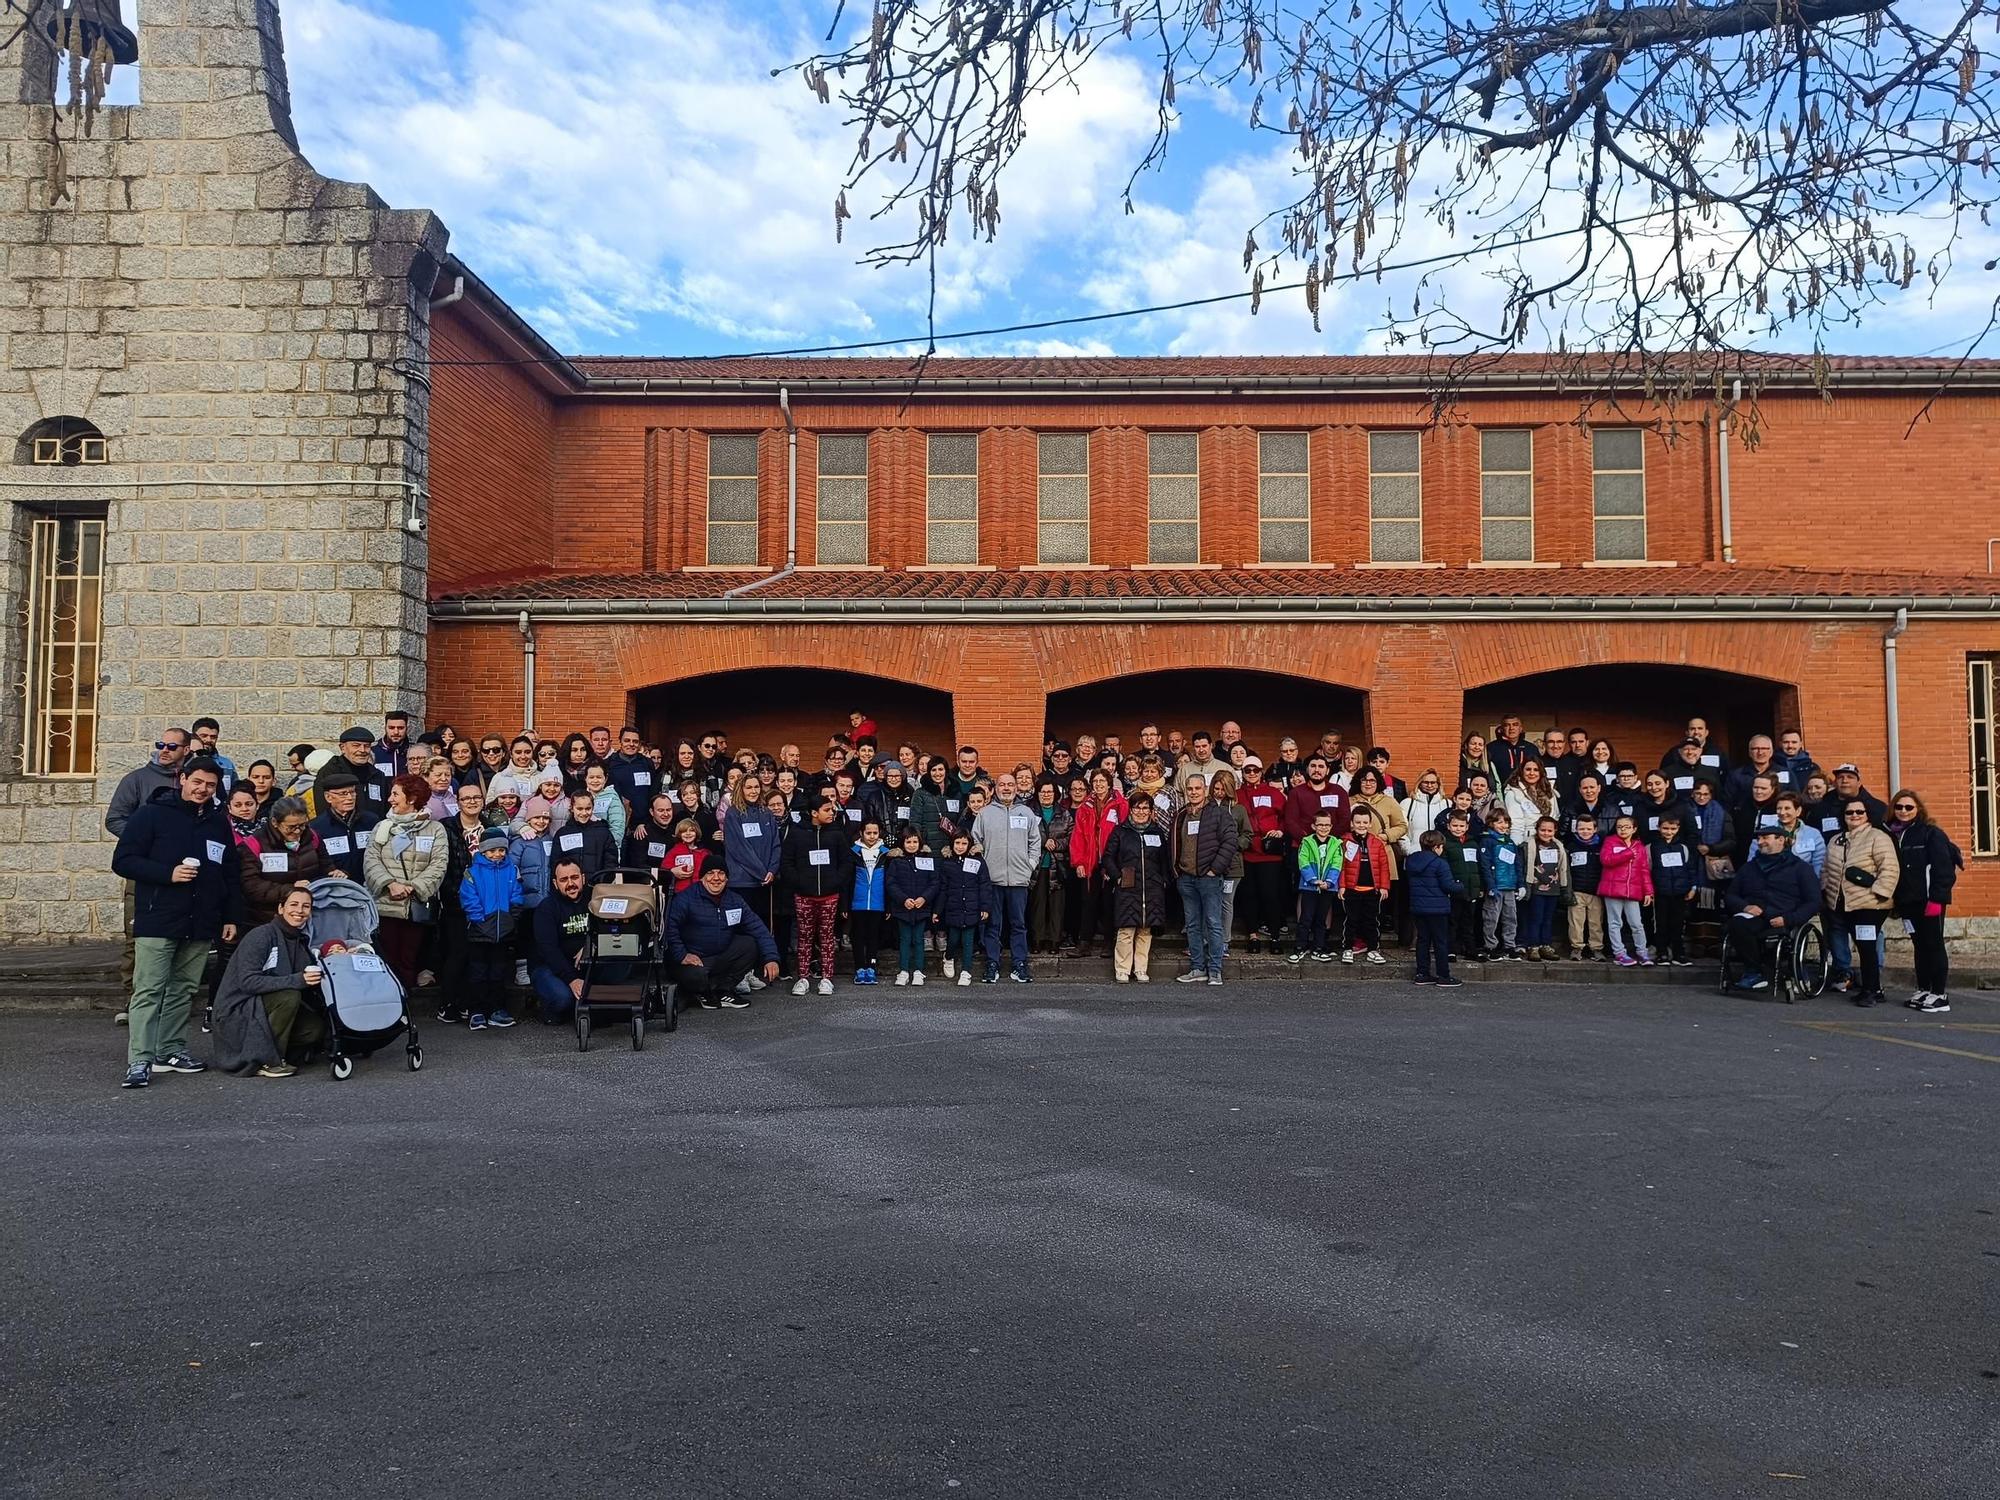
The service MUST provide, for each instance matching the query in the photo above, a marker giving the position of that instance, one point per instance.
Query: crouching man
(715, 942)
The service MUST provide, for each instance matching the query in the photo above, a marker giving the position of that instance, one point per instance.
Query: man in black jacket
(1205, 849)
(1775, 893)
(178, 852)
(343, 824)
(562, 926)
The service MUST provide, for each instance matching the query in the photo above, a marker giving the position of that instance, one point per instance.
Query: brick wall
(1822, 469)
(492, 464)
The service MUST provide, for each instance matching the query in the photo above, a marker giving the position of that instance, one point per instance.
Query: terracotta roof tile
(1694, 582)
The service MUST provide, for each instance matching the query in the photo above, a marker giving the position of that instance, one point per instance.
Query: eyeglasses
(1906, 807)
(1857, 812)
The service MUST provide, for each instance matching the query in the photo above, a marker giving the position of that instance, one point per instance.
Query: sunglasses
(1906, 807)
(170, 744)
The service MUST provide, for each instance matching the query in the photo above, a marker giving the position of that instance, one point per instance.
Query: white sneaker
(1140, 976)
(1375, 956)
(1193, 976)
(802, 986)
(826, 986)
(902, 976)
(965, 979)
(520, 976)
(1347, 955)
(950, 968)
(916, 976)
(754, 982)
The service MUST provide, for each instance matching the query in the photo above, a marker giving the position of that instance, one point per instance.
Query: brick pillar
(997, 708)
(1417, 701)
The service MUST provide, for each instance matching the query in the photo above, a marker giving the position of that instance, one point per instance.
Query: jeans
(1010, 917)
(1538, 922)
(959, 943)
(551, 994)
(166, 972)
(1625, 927)
(1319, 921)
(1208, 944)
(910, 944)
(1433, 944)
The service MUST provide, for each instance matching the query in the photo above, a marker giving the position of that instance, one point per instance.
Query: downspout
(791, 501)
(527, 673)
(456, 294)
(1722, 454)
(1901, 623)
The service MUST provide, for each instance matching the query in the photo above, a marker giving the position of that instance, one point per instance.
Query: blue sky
(630, 177)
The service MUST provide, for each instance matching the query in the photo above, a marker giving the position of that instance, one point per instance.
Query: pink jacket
(1628, 870)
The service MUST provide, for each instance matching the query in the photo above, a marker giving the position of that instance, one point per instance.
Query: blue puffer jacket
(530, 858)
(964, 896)
(491, 896)
(1500, 869)
(702, 924)
(1672, 882)
(1431, 884)
(164, 831)
(908, 881)
(751, 846)
(868, 893)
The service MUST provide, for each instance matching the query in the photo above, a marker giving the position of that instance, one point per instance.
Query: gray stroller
(364, 1000)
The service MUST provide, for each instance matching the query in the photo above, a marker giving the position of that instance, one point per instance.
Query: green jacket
(1464, 862)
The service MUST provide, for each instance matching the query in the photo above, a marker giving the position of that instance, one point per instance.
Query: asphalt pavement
(1350, 1238)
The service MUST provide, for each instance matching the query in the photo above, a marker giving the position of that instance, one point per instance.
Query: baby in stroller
(365, 1008)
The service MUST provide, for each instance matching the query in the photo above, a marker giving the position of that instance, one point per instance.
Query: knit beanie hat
(537, 807)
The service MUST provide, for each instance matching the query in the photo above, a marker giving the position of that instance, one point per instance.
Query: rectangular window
(952, 499)
(1173, 497)
(66, 590)
(1507, 496)
(732, 501)
(1062, 500)
(840, 526)
(1618, 493)
(1395, 498)
(1985, 718)
(1284, 498)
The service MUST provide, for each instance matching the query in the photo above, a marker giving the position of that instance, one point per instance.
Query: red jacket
(1094, 827)
(1266, 806)
(1378, 863)
(685, 864)
(1304, 804)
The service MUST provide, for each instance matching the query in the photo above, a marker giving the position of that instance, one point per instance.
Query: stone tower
(237, 330)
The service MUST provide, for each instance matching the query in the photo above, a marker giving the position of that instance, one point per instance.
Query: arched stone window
(61, 441)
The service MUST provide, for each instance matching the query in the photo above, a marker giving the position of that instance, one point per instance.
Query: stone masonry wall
(228, 319)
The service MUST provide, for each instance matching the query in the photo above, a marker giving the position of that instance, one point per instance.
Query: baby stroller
(364, 1001)
(622, 964)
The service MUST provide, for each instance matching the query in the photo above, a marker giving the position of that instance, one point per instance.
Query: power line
(1080, 319)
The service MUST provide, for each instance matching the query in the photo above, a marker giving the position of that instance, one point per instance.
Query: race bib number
(1349, 850)
(1865, 934)
(1767, 820)
(271, 962)
(338, 844)
(426, 842)
(902, 815)
(1260, 801)
(1829, 825)
(1328, 799)
(731, 915)
(951, 804)
(1193, 827)
(1579, 858)
(368, 963)
(819, 856)
(642, 778)
(1150, 840)
(854, 815)
(1653, 823)
(1111, 817)
(1784, 778)
(374, 792)
(1672, 859)
(925, 863)
(1714, 762)
(274, 864)
(972, 867)
(569, 841)
(1506, 856)
(1548, 856)
(214, 852)
(613, 906)
(656, 851)
(1683, 783)
(750, 830)
(386, 769)
(1470, 856)
(361, 838)
(1018, 821)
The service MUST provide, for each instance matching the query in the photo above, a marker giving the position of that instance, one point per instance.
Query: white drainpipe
(527, 673)
(1902, 623)
(1722, 454)
(791, 502)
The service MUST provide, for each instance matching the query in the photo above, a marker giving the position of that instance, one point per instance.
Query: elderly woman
(443, 803)
(279, 854)
(406, 864)
(264, 1021)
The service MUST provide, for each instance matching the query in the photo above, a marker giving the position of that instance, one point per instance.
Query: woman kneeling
(263, 1018)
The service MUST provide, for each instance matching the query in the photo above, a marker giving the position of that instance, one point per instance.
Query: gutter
(1728, 536)
(527, 627)
(935, 611)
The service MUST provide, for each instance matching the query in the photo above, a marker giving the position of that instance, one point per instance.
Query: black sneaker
(451, 1015)
(992, 976)
(1451, 984)
(178, 1062)
(709, 1002)
(1935, 1005)
(1021, 976)
(1423, 979)
(138, 1076)
(734, 1001)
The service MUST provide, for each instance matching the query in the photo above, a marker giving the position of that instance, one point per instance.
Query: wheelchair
(1795, 962)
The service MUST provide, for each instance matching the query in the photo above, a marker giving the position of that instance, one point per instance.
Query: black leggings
(864, 935)
(1927, 947)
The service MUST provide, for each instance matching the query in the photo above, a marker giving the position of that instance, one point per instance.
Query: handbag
(422, 910)
(1719, 866)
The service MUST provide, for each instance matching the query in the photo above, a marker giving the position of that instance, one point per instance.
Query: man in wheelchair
(1774, 895)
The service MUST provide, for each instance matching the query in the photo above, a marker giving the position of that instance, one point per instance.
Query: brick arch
(1488, 655)
(659, 655)
(1338, 655)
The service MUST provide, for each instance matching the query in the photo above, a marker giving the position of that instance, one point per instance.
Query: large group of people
(480, 850)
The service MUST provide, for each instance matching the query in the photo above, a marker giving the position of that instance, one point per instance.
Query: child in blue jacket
(867, 908)
(1502, 879)
(965, 901)
(911, 891)
(491, 897)
(1433, 885)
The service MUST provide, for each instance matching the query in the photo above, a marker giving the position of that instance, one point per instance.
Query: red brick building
(1006, 545)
